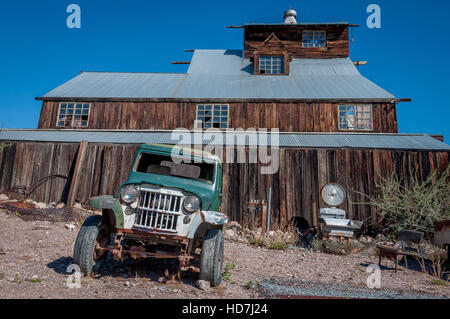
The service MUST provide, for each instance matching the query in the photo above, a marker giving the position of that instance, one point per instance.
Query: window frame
(313, 37)
(213, 116)
(356, 127)
(271, 56)
(73, 115)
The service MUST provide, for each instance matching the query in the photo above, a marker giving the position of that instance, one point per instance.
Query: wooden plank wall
(287, 117)
(295, 187)
(291, 37)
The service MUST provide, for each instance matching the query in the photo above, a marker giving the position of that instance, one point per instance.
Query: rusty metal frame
(184, 253)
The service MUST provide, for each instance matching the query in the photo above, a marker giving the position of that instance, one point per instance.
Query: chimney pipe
(290, 16)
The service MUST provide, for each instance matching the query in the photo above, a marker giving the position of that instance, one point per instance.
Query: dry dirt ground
(34, 255)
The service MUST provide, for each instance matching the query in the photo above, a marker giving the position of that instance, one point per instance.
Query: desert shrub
(317, 245)
(414, 208)
(257, 240)
(335, 246)
(277, 245)
(228, 270)
(281, 241)
(434, 263)
(351, 247)
(251, 221)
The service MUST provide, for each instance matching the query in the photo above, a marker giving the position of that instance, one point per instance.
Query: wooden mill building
(335, 124)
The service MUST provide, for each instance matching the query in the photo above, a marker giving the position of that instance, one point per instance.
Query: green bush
(257, 240)
(277, 245)
(416, 207)
(228, 270)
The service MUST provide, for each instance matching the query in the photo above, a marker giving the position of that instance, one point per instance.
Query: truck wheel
(86, 252)
(211, 261)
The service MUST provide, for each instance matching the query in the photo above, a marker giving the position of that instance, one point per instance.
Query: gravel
(36, 251)
(276, 287)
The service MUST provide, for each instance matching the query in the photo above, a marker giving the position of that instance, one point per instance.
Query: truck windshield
(164, 165)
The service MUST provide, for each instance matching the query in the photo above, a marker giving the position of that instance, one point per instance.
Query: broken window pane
(271, 64)
(66, 112)
(355, 117)
(213, 116)
(314, 39)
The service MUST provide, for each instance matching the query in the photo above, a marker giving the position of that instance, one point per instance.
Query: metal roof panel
(298, 140)
(224, 74)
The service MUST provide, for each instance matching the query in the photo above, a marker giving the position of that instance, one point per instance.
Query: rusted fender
(214, 218)
(109, 202)
(103, 202)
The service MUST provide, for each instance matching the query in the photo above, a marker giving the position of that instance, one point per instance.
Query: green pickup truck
(168, 208)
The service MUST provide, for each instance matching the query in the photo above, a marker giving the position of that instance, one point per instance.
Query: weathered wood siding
(288, 117)
(291, 37)
(295, 187)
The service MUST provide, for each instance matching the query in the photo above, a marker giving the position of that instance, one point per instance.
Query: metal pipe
(268, 211)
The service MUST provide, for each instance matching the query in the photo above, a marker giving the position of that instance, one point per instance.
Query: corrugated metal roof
(298, 140)
(298, 23)
(224, 74)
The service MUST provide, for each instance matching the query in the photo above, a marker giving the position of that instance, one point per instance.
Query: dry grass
(437, 257)
(251, 221)
(335, 247)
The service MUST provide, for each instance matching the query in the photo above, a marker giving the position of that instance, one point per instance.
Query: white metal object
(290, 16)
(332, 212)
(159, 209)
(333, 194)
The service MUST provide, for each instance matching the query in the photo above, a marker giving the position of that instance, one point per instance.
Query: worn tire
(83, 251)
(211, 261)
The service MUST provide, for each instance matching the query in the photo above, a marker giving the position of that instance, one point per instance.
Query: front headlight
(191, 203)
(129, 194)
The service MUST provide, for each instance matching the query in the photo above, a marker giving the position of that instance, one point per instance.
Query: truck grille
(159, 209)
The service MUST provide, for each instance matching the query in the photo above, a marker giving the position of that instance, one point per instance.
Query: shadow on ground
(154, 270)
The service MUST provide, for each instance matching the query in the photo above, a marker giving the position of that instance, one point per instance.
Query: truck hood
(202, 189)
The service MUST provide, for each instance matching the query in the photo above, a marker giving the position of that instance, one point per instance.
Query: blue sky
(408, 56)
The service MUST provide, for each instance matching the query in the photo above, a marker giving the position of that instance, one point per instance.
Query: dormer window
(271, 64)
(314, 39)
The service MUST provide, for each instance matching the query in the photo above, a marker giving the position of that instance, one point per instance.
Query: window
(355, 117)
(73, 115)
(166, 165)
(213, 115)
(314, 39)
(271, 64)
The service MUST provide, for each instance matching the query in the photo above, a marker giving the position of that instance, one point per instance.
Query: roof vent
(290, 16)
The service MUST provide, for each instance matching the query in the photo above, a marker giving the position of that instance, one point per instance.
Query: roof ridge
(131, 72)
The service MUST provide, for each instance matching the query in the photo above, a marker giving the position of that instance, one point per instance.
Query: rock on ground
(203, 285)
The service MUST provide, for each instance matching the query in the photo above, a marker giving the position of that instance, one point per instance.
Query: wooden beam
(438, 137)
(76, 173)
(235, 27)
(404, 100)
(181, 62)
(354, 25)
(359, 63)
(190, 50)
(264, 220)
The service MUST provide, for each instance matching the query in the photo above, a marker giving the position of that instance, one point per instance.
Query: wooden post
(76, 173)
(264, 220)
